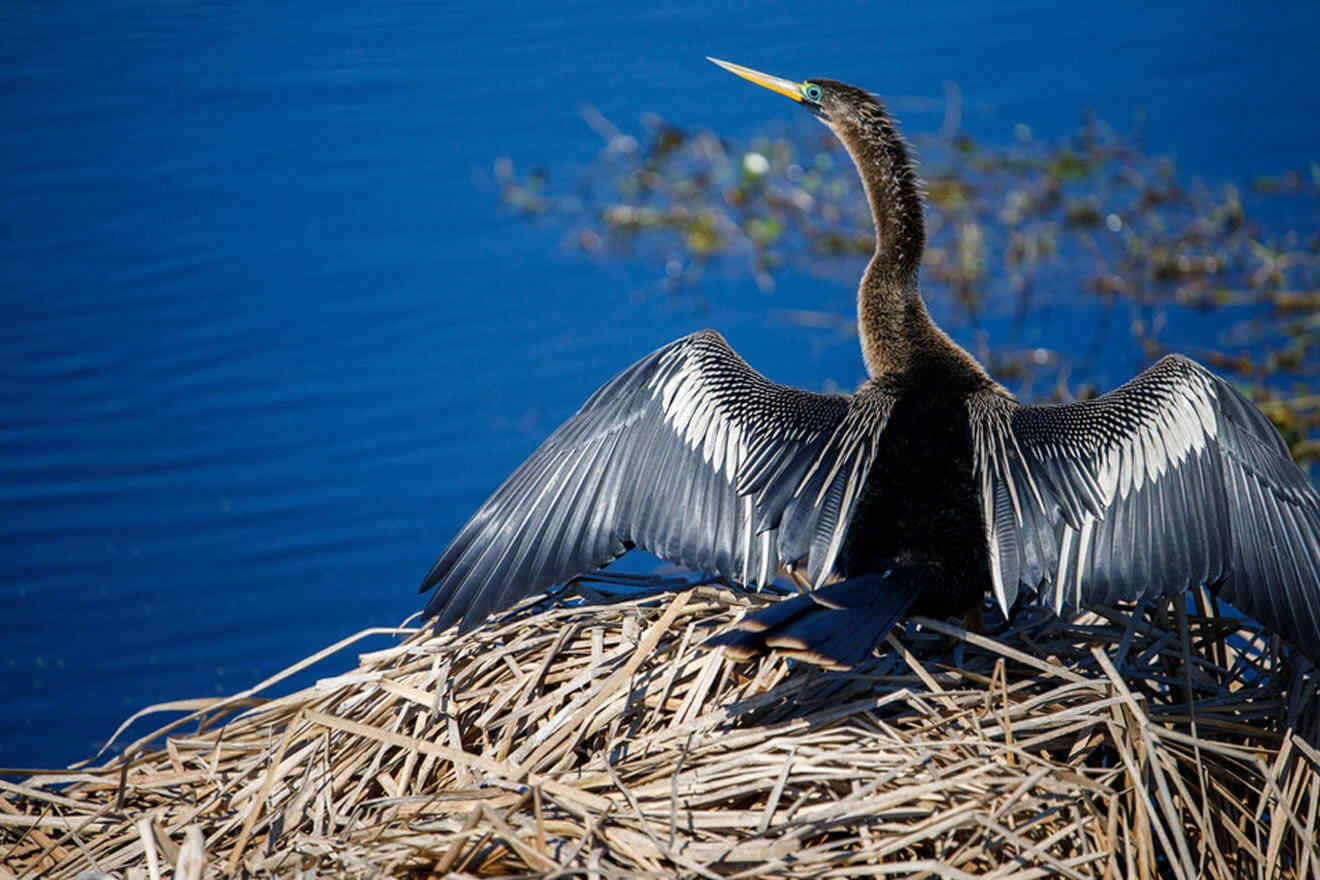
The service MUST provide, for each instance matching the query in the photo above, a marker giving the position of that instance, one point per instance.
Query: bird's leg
(794, 572)
(795, 575)
(973, 621)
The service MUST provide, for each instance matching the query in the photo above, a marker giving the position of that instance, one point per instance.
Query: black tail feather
(836, 625)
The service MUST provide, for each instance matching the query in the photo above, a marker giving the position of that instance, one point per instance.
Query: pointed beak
(785, 87)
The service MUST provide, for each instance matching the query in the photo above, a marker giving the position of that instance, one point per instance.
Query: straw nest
(601, 740)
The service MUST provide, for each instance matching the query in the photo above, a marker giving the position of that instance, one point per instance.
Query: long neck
(892, 322)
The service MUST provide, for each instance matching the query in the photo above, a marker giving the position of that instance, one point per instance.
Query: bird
(925, 491)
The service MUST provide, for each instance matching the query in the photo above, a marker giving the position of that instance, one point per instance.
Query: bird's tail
(836, 625)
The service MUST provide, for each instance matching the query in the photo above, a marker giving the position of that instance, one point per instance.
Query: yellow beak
(784, 87)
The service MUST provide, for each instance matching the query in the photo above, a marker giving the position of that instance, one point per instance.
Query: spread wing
(1170, 481)
(690, 454)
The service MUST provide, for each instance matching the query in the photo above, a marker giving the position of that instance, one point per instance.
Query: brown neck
(898, 335)
(891, 318)
(892, 323)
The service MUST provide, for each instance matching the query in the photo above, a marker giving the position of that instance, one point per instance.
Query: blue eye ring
(811, 92)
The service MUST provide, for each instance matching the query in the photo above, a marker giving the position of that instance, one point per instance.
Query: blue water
(270, 336)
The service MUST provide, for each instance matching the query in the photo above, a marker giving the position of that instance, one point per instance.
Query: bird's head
(842, 107)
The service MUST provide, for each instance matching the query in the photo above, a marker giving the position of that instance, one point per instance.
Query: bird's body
(926, 489)
(917, 507)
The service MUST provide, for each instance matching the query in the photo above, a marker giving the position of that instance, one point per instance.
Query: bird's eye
(811, 92)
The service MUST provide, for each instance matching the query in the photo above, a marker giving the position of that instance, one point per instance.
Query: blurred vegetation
(1090, 223)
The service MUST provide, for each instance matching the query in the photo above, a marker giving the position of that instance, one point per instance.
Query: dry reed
(601, 740)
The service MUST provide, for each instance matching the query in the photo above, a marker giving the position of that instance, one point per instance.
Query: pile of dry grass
(603, 741)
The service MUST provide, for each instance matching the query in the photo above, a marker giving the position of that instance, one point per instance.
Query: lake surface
(271, 337)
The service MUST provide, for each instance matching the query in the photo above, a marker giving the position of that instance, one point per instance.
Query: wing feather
(1171, 481)
(688, 453)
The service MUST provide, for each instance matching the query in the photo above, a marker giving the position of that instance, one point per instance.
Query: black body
(919, 506)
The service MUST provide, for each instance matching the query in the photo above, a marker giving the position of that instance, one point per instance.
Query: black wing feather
(689, 453)
(1171, 481)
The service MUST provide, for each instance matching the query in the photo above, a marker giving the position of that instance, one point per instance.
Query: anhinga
(924, 489)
